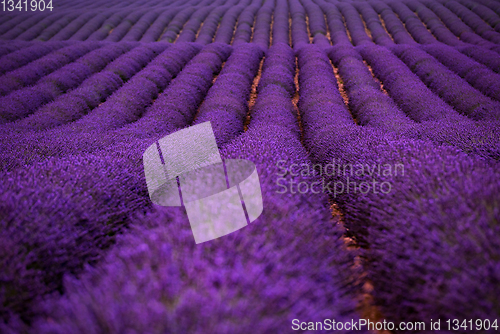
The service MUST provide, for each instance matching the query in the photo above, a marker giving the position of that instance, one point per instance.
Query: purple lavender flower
(33, 28)
(474, 21)
(109, 24)
(156, 29)
(262, 27)
(28, 54)
(354, 24)
(210, 25)
(12, 28)
(72, 27)
(459, 28)
(23, 102)
(175, 26)
(119, 32)
(226, 104)
(413, 24)
(92, 25)
(411, 95)
(300, 36)
(243, 33)
(280, 23)
(477, 75)
(448, 85)
(393, 23)
(225, 31)
(335, 20)
(372, 21)
(31, 73)
(55, 27)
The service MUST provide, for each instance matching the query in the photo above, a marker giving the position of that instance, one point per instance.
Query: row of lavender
(470, 100)
(454, 23)
(437, 223)
(59, 82)
(408, 243)
(356, 33)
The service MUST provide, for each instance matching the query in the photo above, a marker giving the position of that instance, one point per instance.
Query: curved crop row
(403, 244)
(74, 26)
(190, 29)
(281, 28)
(23, 56)
(480, 54)
(373, 108)
(262, 28)
(139, 28)
(369, 104)
(177, 106)
(15, 26)
(55, 27)
(317, 24)
(91, 26)
(484, 13)
(226, 104)
(93, 91)
(412, 23)
(319, 94)
(478, 75)
(23, 102)
(372, 21)
(405, 251)
(411, 95)
(226, 26)
(91, 133)
(30, 31)
(483, 56)
(393, 24)
(276, 89)
(53, 226)
(449, 86)
(493, 5)
(434, 24)
(108, 25)
(244, 29)
(13, 46)
(354, 24)
(298, 27)
(457, 27)
(335, 21)
(32, 72)
(408, 90)
(472, 20)
(121, 29)
(209, 27)
(175, 26)
(156, 29)
(128, 103)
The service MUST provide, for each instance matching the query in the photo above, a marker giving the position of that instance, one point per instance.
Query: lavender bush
(31, 73)
(392, 23)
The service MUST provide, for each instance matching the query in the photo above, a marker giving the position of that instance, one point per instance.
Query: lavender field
(87, 87)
